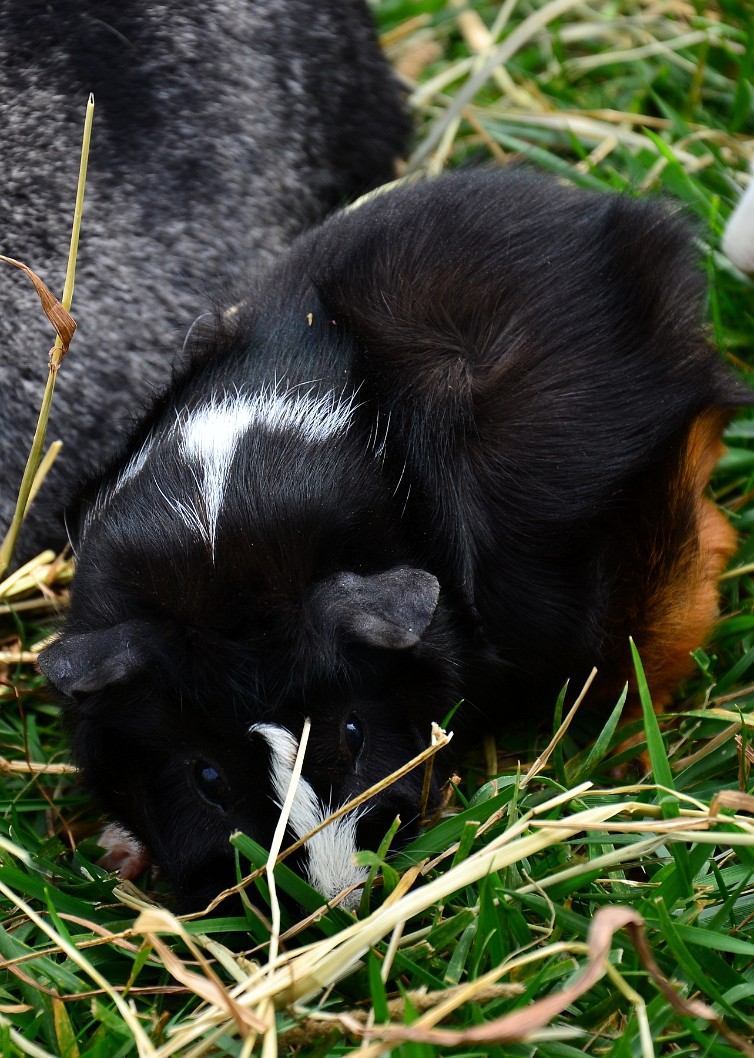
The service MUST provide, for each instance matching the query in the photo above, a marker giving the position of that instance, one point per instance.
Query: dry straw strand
(499, 55)
(64, 326)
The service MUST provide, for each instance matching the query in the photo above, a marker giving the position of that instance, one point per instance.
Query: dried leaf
(734, 799)
(206, 988)
(61, 320)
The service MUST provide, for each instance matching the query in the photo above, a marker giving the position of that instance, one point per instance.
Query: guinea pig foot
(123, 853)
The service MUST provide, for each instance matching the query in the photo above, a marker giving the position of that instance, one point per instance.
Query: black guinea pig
(453, 445)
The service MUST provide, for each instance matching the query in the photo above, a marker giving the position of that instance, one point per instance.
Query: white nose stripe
(330, 868)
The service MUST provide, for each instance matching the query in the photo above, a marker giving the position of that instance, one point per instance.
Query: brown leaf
(212, 991)
(735, 799)
(59, 317)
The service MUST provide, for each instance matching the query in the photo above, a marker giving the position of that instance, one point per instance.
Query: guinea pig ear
(391, 610)
(90, 661)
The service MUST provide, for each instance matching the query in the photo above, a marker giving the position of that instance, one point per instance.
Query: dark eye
(211, 784)
(354, 737)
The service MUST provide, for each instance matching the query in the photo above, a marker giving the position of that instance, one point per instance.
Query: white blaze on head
(309, 415)
(738, 240)
(209, 436)
(330, 868)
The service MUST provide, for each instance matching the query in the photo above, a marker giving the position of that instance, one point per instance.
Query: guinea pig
(738, 238)
(454, 445)
(223, 128)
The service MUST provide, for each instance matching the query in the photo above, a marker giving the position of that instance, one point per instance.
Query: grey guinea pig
(222, 130)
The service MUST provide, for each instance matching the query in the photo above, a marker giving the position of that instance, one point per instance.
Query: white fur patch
(209, 437)
(330, 868)
(738, 240)
(134, 466)
(314, 417)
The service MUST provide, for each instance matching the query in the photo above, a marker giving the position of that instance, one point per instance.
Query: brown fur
(686, 604)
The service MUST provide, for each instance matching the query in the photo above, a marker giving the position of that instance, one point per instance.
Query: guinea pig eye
(211, 784)
(354, 737)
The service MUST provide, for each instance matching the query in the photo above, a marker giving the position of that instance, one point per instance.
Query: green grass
(621, 96)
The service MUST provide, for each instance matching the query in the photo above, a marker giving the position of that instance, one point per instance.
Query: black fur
(524, 362)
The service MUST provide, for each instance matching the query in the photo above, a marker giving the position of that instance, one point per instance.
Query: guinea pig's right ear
(80, 663)
(390, 610)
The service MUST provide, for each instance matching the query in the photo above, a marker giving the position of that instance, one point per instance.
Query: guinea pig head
(187, 731)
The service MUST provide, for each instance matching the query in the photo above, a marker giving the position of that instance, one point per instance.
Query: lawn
(554, 909)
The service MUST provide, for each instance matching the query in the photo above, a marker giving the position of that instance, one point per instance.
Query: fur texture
(455, 446)
(222, 130)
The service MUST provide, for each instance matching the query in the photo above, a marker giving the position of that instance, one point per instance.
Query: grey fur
(223, 128)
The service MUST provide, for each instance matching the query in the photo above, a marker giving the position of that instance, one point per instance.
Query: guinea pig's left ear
(90, 661)
(391, 610)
